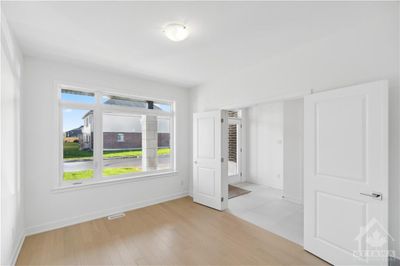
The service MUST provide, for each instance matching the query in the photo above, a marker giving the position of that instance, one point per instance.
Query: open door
(210, 159)
(346, 174)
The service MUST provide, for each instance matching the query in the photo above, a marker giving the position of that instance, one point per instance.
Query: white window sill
(105, 182)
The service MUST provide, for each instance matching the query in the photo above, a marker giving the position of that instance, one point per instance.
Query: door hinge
(240, 173)
(241, 126)
(222, 120)
(222, 199)
(241, 149)
(222, 159)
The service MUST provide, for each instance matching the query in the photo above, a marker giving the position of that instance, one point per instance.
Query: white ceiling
(127, 36)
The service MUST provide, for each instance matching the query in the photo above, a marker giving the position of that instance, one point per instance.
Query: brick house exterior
(132, 140)
(121, 132)
(232, 143)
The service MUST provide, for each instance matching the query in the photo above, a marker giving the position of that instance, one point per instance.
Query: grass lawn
(85, 174)
(72, 152)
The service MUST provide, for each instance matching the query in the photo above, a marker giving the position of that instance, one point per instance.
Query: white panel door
(346, 174)
(210, 159)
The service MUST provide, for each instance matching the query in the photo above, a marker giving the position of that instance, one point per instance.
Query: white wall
(265, 150)
(12, 218)
(365, 51)
(46, 208)
(293, 121)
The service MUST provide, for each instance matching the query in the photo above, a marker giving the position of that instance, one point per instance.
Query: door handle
(375, 195)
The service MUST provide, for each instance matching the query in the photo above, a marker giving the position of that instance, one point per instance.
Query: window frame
(99, 108)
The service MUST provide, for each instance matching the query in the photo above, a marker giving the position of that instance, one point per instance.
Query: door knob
(195, 162)
(375, 195)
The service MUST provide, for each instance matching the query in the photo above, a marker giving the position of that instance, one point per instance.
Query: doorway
(345, 167)
(272, 201)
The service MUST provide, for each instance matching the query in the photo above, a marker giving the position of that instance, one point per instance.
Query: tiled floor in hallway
(266, 208)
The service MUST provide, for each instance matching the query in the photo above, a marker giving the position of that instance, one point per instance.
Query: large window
(107, 136)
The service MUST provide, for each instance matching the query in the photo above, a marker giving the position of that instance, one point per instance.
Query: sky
(73, 117)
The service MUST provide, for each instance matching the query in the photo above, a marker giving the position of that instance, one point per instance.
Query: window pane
(134, 143)
(164, 144)
(127, 102)
(122, 144)
(136, 103)
(166, 107)
(78, 144)
(77, 96)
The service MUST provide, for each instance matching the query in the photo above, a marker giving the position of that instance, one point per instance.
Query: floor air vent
(116, 216)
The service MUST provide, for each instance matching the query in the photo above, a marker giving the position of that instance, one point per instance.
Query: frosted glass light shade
(176, 32)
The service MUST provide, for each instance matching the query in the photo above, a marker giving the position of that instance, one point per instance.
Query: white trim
(276, 98)
(134, 110)
(100, 214)
(68, 186)
(97, 139)
(294, 200)
(17, 249)
(76, 105)
(105, 90)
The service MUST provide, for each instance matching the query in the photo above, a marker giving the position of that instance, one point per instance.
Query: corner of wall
(13, 232)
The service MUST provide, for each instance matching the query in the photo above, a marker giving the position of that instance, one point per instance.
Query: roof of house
(125, 102)
(74, 132)
(88, 113)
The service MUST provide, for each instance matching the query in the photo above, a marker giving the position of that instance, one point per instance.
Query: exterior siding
(131, 140)
(163, 140)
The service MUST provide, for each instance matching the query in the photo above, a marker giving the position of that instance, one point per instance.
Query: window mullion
(98, 141)
(172, 142)
(138, 111)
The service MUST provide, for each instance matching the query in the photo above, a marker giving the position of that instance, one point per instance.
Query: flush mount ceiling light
(176, 32)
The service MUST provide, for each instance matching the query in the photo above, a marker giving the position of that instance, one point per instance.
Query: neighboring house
(86, 139)
(122, 131)
(73, 135)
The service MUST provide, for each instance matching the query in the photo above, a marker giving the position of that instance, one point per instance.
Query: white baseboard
(99, 214)
(294, 200)
(17, 249)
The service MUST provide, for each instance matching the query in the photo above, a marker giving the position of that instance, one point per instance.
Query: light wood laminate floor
(177, 232)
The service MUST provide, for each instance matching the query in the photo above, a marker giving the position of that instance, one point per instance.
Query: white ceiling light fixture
(176, 32)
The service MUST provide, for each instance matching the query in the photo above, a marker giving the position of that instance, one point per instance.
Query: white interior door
(210, 159)
(346, 174)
